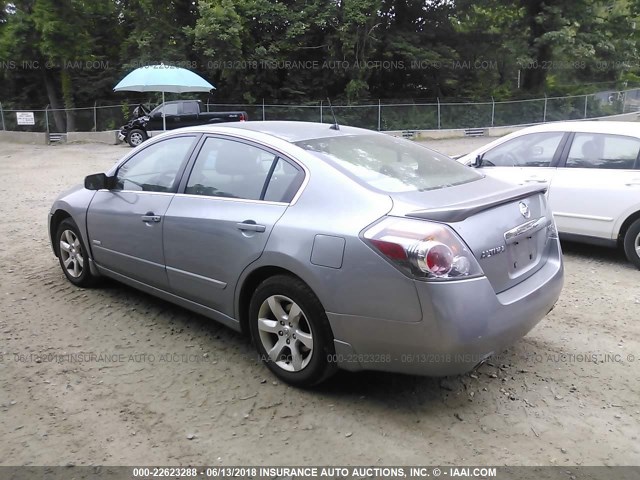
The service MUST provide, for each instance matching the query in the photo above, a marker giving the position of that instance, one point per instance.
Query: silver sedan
(332, 247)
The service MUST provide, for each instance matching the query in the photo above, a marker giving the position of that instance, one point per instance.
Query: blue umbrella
(163, 78)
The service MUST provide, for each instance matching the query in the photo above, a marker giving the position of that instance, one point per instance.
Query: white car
(591, 169)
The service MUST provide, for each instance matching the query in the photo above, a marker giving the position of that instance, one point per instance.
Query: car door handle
(249, 226)
(150, 217)
(633, 183)
(535, 180)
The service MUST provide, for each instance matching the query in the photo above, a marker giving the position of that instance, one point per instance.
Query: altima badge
(492, 251)
(524, 210)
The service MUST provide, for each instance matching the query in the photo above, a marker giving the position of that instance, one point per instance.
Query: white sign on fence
(25, 118)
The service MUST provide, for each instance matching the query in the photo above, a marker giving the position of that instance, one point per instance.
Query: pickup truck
(179, 113)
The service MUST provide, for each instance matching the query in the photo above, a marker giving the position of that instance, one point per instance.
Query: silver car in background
(333, 247)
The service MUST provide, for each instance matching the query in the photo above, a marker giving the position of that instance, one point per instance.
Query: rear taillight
(243, 117)
(424, 250)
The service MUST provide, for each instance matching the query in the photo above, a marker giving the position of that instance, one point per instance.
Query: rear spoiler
(461, 211)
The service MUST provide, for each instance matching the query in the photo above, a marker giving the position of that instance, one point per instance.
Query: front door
(172, 117)
(525, 159)
(125, 223)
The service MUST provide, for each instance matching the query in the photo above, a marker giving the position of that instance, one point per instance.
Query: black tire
(73, 258)
(632, 243)
(312, 324)
(136, 136)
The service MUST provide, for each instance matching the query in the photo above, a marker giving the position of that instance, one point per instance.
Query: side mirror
(97, 181)
(477, 163)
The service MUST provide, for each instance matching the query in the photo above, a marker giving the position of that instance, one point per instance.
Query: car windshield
(391, 164)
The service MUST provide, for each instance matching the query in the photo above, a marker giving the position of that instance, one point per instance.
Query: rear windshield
(391, 164)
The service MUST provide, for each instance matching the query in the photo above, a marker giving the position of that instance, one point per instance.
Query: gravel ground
(172, 387)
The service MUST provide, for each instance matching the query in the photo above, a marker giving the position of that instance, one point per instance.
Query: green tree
(50, 42)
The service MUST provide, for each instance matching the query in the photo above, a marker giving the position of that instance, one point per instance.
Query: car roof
(289, 131)
(587, 126)
(182, 101)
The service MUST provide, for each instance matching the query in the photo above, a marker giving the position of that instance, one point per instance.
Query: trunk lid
(506, 230)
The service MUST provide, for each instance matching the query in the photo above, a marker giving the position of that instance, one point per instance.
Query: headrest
(235, 158)
(590, 150)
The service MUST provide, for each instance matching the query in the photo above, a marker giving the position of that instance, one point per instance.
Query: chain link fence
(377, 116)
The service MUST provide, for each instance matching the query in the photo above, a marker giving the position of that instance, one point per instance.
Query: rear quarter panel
(334, 205)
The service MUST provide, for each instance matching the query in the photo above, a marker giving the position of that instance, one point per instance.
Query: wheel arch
(249, 285)
(58, 216)
(626, 224)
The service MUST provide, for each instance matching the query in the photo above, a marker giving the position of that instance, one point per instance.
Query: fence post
(379, 115)
(2, 116)
(320, 111)
(438, 99)
(95, 116)
(46, 120)
(585, 105)
(493, 110)
(263, 114)
(544, 114)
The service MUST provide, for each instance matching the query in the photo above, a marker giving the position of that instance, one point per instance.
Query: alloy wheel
(71, 253)
(136, 139)
(285, 333)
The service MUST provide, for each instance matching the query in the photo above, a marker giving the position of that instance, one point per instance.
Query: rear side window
(226, 168)
(391, 164)
(285, 181)
(598, 150)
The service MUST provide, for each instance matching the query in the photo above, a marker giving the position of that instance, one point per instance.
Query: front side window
(226, 168)
(390, 164)
(532, 150)
(598, 150)
(155, 168)
(167, 108)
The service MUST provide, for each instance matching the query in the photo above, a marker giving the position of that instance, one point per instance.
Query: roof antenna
(335, 125)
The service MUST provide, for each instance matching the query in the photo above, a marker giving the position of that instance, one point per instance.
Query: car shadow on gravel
(171, 315)
(381, 384)
(375, 388)
(378, 386)
(594, 253)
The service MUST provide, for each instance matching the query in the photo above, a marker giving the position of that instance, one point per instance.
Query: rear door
(125, 223)
(221, 220)
(596, 184)
(527, 159)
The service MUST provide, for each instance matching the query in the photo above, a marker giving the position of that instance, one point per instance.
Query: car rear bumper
(463, 323)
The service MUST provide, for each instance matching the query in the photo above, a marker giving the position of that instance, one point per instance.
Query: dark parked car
(179, 113)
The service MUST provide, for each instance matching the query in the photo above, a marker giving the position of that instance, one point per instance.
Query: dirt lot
(567, 394)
